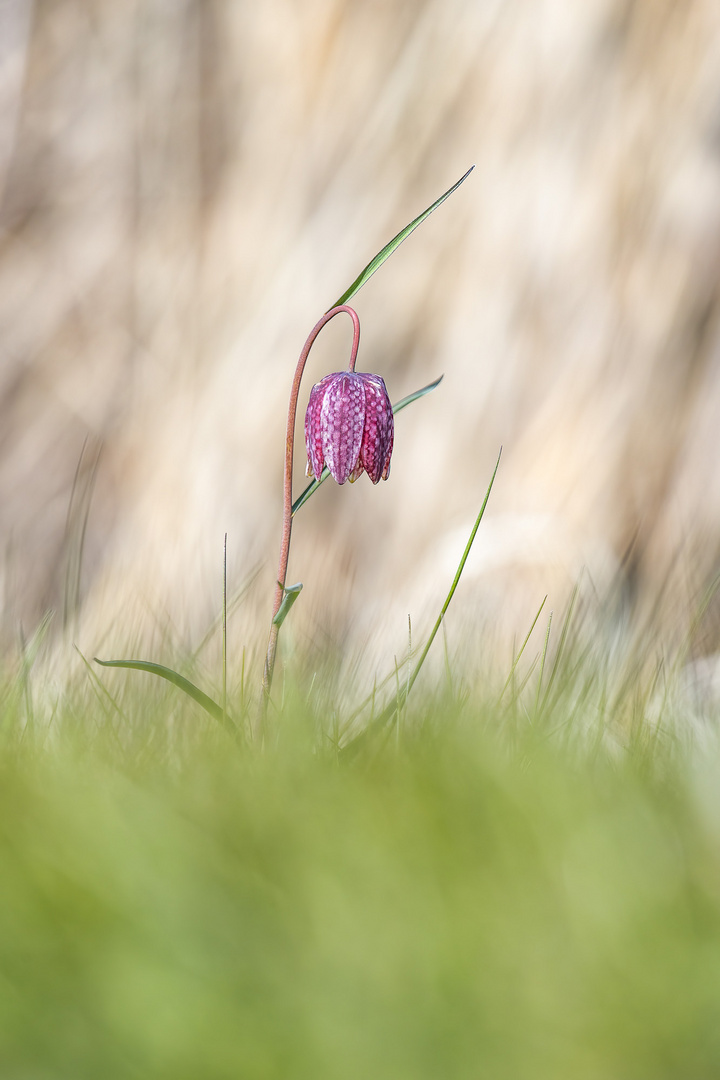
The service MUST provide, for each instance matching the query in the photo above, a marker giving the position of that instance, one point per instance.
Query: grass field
(527, 887)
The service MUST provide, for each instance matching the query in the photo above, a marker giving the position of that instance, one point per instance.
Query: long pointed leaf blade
(516, 661)
(458, 574)
(402, 404)
(387, 251)
(351, 748)
(309, 490)
(181, 682)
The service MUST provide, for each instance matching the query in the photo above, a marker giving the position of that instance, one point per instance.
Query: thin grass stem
(542, 664)
(224, 635)
(522, 650)
(387, 714)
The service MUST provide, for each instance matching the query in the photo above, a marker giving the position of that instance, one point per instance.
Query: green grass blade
(560, 651)
(224, 633)
(516, 661)
(542, 664)
(182, 683)
(395, 243)
(402, 404)
(309, 490)
(352, 747)
(102, 695)
(456, 579)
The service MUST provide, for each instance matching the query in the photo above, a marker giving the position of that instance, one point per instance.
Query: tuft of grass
(525, 885)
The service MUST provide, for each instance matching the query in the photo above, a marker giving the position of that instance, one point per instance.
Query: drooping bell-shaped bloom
(349, 427)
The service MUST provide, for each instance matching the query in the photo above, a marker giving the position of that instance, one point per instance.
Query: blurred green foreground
(455, 902)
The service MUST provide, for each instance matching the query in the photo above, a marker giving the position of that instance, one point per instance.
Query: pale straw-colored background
(186, 186)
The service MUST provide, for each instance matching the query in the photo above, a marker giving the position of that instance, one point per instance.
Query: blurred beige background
(186, 186)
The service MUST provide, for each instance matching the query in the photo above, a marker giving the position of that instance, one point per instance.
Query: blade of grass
(242, 684)
(233, 603)
(409, 655)
(526, 680)
(399, 699)
(522, 650)
(402, 404)
(393, 706)
(29, 651)
(224, 633)
(456, 579)
(446, 661)
(542, 665)
(101, 692)
(182, 683)
(76, 523)
(395, 243)
(563, 640)
(31, 648)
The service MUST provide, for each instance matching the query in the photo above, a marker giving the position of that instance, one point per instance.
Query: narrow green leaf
(542, 664)
(560, 651)
(516, 661)
(456, 579)
(352, 747)
(31, 648)
(289, 597)
(387, 251)
(403, 403)
(310, 490)
(182, 683)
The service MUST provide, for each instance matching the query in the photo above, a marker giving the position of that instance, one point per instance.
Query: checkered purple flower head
(349, 427)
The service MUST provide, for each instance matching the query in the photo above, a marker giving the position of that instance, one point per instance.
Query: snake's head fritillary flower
(349, 427)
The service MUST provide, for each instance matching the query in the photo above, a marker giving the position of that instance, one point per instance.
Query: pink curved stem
(287, 487)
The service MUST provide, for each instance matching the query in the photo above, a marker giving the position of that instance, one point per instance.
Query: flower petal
(378, 433)
(386, 463)
(357, 472)
(313, 428)
(342, 418)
